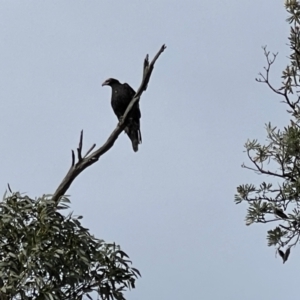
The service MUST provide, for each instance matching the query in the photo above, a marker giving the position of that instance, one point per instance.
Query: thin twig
(89, 151)
(265, 79)
(79, 149)
(73, 158)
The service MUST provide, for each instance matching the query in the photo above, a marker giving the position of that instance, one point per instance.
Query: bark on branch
(84, 161)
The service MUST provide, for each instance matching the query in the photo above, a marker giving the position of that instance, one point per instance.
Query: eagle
(121, 96)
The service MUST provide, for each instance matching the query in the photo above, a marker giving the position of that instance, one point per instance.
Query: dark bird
(279, 212)
(121, 96)
(285, 255)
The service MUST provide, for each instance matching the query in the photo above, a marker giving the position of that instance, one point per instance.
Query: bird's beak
(104, 83)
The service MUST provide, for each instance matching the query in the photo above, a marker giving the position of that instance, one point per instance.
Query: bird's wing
(129, 89)
(135, 113)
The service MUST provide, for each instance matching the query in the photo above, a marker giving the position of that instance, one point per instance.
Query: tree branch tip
(79, 154)
(90, 150)
(146, 64)
(79, 149)
(73, 158)
(81, 138)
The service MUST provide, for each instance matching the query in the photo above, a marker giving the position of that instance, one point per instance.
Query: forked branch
(84, 161)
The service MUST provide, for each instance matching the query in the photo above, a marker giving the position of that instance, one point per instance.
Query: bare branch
(79, 149)
(266, 79)
(90, 159)
(260, 170)
(146, 65)
(146, 77)
(90, 150)
(73, 158)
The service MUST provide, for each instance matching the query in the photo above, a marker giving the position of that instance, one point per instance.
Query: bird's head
(110, 82)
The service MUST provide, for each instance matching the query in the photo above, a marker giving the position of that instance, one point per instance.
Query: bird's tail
(134, 133)
(135, 145)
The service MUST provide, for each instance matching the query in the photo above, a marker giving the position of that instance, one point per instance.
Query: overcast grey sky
(170, 206)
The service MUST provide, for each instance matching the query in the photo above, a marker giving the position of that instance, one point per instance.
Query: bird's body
(121, 96)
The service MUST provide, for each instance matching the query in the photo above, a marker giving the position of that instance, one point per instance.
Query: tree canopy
(277, 198)
(46, 255)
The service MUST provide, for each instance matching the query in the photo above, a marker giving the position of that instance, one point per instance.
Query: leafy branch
(278, 200)
(46, 255)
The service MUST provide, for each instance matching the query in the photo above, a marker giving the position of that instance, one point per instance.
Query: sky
(170, 205)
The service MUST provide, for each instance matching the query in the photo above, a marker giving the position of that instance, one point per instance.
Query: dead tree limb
(84, 161)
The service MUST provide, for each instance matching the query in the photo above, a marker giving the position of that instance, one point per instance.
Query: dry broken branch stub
(79, 149)
(90, 158)
(90, 150)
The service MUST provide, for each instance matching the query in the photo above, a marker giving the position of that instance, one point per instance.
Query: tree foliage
(46, 255)
(277, 199)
